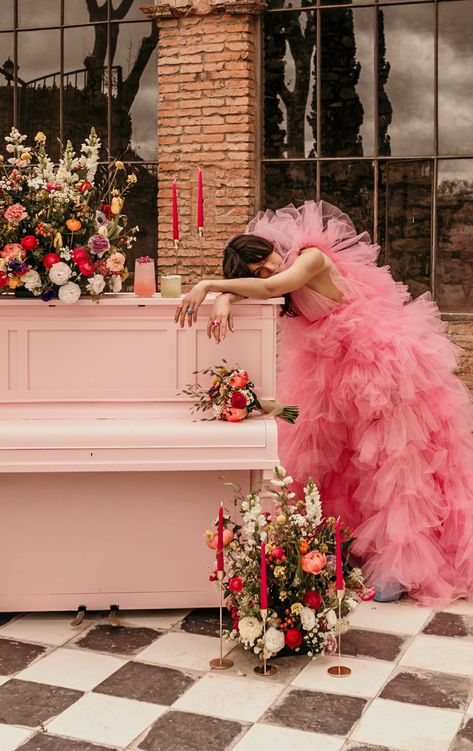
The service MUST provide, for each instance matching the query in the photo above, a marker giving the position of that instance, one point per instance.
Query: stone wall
(460, 331)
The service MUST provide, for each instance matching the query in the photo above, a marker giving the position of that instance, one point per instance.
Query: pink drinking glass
(145, 277)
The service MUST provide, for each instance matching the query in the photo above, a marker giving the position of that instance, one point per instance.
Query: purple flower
(18, 267)
(47, 294)
(99, 244)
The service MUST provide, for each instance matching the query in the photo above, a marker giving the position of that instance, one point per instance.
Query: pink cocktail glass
(145, 277)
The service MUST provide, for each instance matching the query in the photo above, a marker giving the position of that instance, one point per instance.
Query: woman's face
(266, 268)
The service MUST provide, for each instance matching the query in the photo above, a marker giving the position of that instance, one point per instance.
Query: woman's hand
(221, 319)
(190, 305)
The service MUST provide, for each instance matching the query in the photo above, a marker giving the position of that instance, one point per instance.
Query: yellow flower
(40, 137)
(296, 608)
(2, 158)
(119, 165)
(57, 242)
(14, 282)
(132, 179)
(117, 205)
(323, 547)
(25, 157)
(282, 595)
(115, 192)
(281, 519)
(279, 571)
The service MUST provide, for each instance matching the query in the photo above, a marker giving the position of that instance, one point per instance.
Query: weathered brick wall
(206, 118)
(460, 331)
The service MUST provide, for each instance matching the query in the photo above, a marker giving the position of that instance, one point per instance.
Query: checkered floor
(147, 685)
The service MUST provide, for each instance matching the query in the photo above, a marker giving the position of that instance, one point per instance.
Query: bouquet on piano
(63, 233)
(232, 397)
(299, 580)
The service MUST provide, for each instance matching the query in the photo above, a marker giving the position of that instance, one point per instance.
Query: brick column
(207, 117)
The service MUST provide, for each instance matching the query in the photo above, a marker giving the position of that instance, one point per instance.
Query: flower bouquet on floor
(301, 572)
(232, 397)
(61, 234)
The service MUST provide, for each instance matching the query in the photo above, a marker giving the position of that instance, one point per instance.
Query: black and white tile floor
(147, 685)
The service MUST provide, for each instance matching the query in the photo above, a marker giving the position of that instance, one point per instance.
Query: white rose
(102, 231)
(69, 292)
(351, 603)
(331, 618)
(274, 640)
(96, 284)
(117, 284)
(250, 628)
(59, 273)
(307, 617)
(31, 280)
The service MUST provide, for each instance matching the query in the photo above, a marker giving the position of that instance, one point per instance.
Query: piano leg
(113, 617)
(260, 480)
(80, 615)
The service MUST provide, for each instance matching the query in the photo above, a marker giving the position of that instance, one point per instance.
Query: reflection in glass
(85, 83)
(128, 9)
(347, 82)
(77, 11)
(142, 210)
(454, 270)
(6, 15)
(7, 69)
(289, 84)
(405, 206)
(134, 92)
(30, 14)
(349, 185)
(455, 78)
(288, 182)
(408, 66)
(38, 85)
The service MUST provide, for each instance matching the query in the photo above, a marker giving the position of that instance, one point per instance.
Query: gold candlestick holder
(339, 670)
(221, 663)
(265, 670)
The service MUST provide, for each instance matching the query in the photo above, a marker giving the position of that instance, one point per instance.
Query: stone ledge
(180, 8)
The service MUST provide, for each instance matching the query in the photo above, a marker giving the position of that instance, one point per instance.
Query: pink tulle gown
(385, 426)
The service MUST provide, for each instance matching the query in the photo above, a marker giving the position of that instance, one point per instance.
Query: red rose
(50, 187)
(3, 279)
(85, 186)
(80, 254)
(29, 242)
(238, 400)
(278, 554)
(213, 577)
(86, 267)
(312, 600)
(107, 210)
(50, 259)
(235, 624)
(235, 584)
(293, 638)
(234, 613)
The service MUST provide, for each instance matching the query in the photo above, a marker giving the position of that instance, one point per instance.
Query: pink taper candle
(200, 201)
(263, 597)
(175, 217)
(338, 555)
(220, 539)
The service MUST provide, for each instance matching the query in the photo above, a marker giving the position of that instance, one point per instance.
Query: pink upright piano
(107, 482)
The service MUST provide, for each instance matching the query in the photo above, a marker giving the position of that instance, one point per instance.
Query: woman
(385, 427)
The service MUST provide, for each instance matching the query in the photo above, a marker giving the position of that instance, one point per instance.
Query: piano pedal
(113, 617)
(80, 615)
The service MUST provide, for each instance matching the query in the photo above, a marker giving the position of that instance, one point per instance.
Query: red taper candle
(220, 539)
(200, 200)
(263, 597)
(175, 217)
(338, 556)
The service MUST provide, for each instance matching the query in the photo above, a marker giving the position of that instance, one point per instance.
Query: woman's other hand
(221, 319)
(189, 307)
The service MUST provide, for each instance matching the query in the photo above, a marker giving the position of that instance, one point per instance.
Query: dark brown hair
(243, 250)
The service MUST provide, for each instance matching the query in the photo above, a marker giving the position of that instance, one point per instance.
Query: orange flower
(313, 563)
(303, 546)
(73, 225)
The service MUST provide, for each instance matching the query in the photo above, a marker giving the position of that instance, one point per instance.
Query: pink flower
(235, 415)
(116, 262)
(239, 381)
(12, 250)
(15, 213)
(99, 244)
(313, 562)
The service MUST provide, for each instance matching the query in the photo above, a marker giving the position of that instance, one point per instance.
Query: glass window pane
(403, 1)
(349, 185)
(38, 85)
(6, 85)
(289, 84)
(142, 210)
(406, 71)
(288, 182)
(344, 2)
(454, 272)
(6, 15)
(85, 83)
(405, 206)
(276, 4)
(32, 13)
(76, 11)
(134, 92)
(455, 78)
(347, 82)
(128, 10)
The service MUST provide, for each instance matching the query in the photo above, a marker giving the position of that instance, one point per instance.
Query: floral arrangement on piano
(232, 397)
(62, 235)
(282, 565)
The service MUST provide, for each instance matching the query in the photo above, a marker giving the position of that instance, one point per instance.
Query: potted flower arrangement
(300, 562)
(61, 234)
